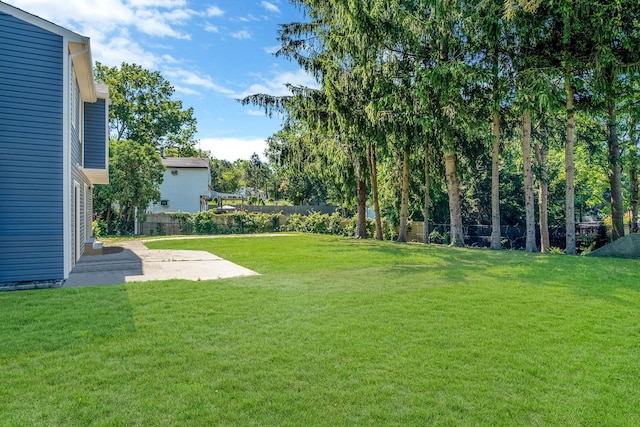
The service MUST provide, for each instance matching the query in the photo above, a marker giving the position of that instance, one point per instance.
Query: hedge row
(208, 222)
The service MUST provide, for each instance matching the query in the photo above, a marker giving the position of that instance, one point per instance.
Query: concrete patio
(133, 262)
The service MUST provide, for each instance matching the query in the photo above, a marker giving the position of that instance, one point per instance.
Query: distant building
(247, 192)
(186, 186)
(53, 147)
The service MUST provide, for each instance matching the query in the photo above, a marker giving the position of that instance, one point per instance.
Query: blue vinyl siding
(95, 138)
(31, 149)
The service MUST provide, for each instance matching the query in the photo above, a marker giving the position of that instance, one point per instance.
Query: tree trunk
(427, 194)
(404, 203)
(529, 206)
(633, 176)
(570, 209)
(496, 241)
(361, 228)
(615, 166)
(543, 197)
(495, 183)
(373, 173)
(453, 189)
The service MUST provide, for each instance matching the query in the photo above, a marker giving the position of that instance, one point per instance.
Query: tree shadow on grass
(601, 278)
(49, 320)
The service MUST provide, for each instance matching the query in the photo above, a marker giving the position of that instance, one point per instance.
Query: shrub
(250, 222)
(352, 224)
(99, 228)
(316, 222)
(334, 224)
(203, 223)
(436, 237)
(185, 221)
(295, 223)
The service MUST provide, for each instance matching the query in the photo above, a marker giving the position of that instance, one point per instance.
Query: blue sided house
(53, 147)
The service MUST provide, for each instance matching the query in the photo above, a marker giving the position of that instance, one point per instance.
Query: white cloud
(185, 90)
(270, 7)
(155, 24)
(214, 11)
(157, 3)
(255, 112)
(123, 49)
(179, 16)
(189, 78)
(109, 24)
(168, 59)
(211, 28)
(248, 18)
(242, 35)
(233, 148)
(112, 15)
(272, 49)
(276, 85)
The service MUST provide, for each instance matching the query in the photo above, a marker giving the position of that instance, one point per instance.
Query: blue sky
(212, 52)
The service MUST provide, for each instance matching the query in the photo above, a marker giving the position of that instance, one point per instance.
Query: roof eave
(97, 176)
(80, 53)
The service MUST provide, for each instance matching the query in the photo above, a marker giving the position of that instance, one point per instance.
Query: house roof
(186, 162)
(78, 45)
(39, 22)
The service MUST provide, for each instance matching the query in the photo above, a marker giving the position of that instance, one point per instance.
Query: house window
(164, 203)
(174, 172)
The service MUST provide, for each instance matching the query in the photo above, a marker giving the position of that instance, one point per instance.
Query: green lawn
(335, 332)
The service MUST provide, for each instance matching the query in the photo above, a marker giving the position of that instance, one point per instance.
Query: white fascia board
(80, 53)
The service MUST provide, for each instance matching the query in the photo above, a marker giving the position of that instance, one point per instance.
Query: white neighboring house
(186, 185)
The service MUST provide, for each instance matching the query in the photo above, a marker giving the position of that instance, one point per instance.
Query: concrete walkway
(136, 263)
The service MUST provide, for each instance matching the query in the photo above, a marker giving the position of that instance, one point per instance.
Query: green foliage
(397, 74)
(142, 109)
(316, 222)
(135, 173)
(208, 222)
(250, 222)
(226, 176)
(185, 220)
(99, 228)
(438, 238)
(203, 223)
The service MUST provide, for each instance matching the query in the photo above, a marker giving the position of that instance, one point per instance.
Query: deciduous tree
(142, 108)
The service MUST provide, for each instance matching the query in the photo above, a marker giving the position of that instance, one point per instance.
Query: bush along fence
(209, 222)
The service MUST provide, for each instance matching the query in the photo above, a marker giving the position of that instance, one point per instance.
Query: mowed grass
(333, 332)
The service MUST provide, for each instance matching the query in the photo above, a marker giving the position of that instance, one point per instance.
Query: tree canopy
(142, 109)
(434, 94)
(135, 172)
